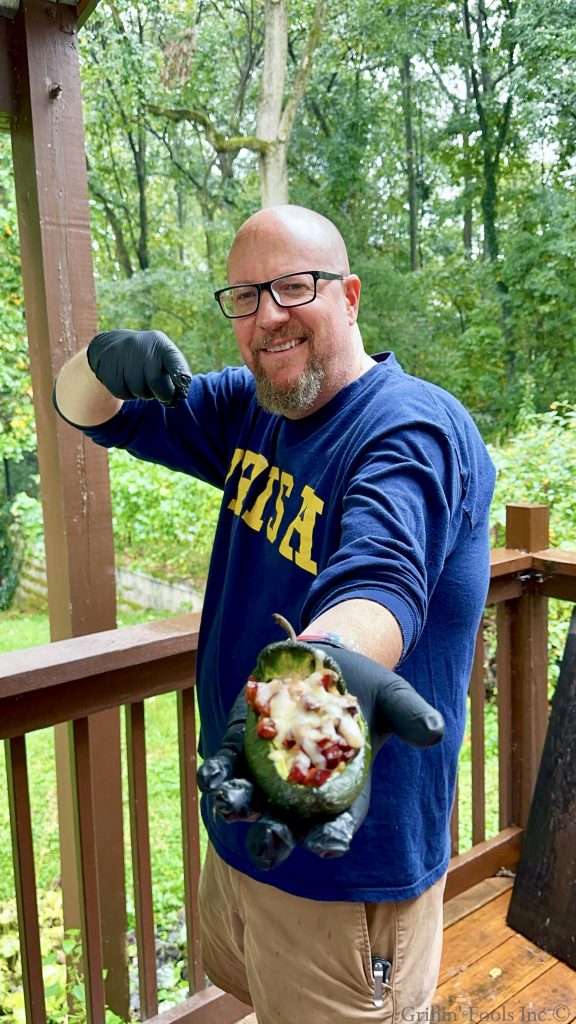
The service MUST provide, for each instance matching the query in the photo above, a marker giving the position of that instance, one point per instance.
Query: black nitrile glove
(139, 364)
(390, 706)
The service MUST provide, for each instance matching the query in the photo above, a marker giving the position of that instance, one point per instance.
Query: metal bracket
(531, 580)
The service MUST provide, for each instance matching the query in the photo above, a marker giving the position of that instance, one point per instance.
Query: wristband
(333, 639)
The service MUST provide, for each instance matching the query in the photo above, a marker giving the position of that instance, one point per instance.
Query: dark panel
(543, 905)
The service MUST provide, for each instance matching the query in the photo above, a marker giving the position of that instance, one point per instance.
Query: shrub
(164, 522)
(8, 560)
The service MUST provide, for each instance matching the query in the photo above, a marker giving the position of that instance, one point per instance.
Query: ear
(352, 287)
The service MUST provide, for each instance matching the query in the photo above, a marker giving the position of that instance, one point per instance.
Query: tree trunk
(411, 178)
(467, 220)
(273, 168)
(490, 203)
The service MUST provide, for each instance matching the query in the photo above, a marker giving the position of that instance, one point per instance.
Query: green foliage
(8, 560)
(17, 434)
(163, 521)
(26, 513)
(537, 465)
(61, 957)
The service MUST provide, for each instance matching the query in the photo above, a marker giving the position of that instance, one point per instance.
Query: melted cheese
(304, 712)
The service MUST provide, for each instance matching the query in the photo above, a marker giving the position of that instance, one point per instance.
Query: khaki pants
(299, 961)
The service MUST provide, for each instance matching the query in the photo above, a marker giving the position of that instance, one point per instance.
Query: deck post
(527, 529)
(53, 215)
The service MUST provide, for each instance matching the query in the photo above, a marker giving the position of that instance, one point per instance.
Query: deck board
(491, 974)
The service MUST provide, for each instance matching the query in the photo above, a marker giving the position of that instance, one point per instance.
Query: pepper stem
(285, 625)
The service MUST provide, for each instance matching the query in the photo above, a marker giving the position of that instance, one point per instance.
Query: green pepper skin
(277, 661)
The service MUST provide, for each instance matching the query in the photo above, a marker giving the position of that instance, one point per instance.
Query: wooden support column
(527, 529)
(6, 85)
(53, 214)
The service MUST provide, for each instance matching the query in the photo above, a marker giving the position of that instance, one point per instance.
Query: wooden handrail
(70, 680)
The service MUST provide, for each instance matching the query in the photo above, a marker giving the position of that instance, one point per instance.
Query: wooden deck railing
(71, 680)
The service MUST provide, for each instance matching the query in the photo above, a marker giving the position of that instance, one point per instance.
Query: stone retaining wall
(134, 590)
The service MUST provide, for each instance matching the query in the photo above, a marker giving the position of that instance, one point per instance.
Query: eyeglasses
(287, 291)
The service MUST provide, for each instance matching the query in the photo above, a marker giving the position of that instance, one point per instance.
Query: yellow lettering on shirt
(253, 516)
(252, 465)
(284, 489)
(238, 453)
(303, 526)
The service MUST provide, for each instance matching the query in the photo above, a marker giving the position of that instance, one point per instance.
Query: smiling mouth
(284, 346)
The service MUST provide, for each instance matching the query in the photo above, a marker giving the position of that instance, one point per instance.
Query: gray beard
(283, 401)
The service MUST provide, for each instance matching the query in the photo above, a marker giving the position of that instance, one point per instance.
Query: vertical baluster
(190, 833)
(503, 674)
(25, 878)
(140, 841)
(455, 823)
(477, 700)
(89, 892)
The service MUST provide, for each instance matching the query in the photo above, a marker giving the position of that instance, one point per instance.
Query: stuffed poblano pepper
(306, 741)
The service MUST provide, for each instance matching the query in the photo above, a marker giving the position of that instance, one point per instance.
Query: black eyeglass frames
(289, 290)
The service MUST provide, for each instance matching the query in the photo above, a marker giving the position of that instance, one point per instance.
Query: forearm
(366, 626)
(80, 396)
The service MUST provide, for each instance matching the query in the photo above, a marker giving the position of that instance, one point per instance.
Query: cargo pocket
(378, 972)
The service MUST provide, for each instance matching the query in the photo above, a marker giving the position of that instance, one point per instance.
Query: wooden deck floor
(492, 975)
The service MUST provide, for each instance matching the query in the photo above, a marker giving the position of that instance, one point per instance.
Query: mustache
(278, 337)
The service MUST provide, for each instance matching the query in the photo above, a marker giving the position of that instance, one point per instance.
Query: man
(356, 504)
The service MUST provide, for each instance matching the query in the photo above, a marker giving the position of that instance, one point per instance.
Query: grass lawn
(18, 630)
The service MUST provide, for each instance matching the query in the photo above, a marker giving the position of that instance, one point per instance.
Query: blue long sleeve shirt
(382, 494)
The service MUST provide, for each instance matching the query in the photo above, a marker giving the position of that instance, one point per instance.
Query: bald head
(301, 228)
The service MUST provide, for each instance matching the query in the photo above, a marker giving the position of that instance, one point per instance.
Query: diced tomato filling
(266, 729)
(313, 728)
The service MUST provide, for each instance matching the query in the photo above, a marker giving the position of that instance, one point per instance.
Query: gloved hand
(389, 704)
(139, 364)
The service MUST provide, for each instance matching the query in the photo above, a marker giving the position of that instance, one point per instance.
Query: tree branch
(219, 142)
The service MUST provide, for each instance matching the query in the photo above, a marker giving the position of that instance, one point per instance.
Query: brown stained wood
(527, 526)
(490, 981)
(529, 696)
(503, 684)
(555, 561)
(25, 880)
(140, 843)
(504, 561)
(561, 587)
(7, 104)
(455, 823)
(472, 899)
(83, 657)
(211, 1006)
(75, 699)
(84, 9)
(477, 701)
(190, 833)
(482, 861)
(88, 874)
(503, 588)
(552, 997)
(543, 905)
(490, 931)
(54, 228)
